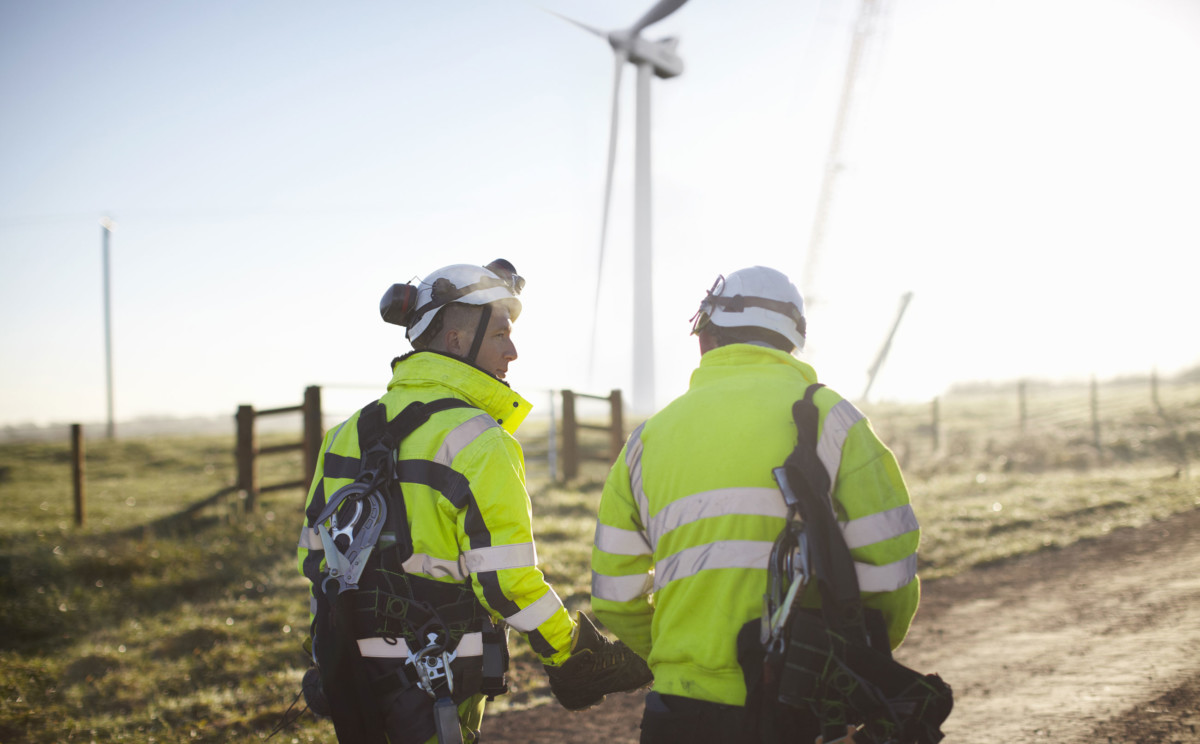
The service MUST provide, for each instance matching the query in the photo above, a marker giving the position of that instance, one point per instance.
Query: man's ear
(454, 342)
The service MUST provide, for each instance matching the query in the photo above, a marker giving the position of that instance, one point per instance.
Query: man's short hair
(454, 316)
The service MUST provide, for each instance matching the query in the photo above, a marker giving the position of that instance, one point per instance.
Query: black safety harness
(365, 594)
(835, 664)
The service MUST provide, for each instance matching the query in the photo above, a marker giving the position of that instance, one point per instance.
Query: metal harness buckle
(346, 567)
(432, 664)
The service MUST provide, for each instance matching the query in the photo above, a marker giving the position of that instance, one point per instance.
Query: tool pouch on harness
(393, 650)
(814, 672)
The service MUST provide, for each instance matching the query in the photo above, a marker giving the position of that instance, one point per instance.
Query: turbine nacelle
(648, 56)
(660, 54)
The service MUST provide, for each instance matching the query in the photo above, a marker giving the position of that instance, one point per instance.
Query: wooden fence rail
(572, 454)
(248, 451)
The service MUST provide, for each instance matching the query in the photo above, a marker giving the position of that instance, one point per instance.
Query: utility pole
(106, 227)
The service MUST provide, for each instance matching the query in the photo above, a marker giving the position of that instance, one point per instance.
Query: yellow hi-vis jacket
(690, 512)
(468, 511)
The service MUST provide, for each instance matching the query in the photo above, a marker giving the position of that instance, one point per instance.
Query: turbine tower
(650, 58)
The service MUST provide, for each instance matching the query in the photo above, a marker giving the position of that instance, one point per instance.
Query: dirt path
(1097, 642)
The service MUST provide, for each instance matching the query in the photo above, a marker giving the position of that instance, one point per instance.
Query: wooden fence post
(935, 425)
(1021, 411)
(552, 444)
(570, 437)
(247, 447)
(77, 474)
(617, 432)
(313, 430)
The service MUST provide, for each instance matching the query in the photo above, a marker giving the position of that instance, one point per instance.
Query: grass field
(146, 626)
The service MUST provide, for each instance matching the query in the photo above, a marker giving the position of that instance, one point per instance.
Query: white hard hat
(756, 297)
(464, 283)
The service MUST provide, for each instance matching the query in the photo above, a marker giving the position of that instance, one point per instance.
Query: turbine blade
(580, 24)
(619, 60)
(660, 11)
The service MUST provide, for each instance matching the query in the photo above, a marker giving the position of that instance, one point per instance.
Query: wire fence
(1027, 425)
(1034, 425)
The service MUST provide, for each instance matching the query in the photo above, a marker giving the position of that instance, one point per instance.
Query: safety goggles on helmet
(701, 318)
(506, 271)
(414, 305)
(444, 291)
(756, 297)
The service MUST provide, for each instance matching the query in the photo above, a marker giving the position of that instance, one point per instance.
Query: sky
(1028, 169)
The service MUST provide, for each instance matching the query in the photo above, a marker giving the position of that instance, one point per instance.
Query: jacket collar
(494, 397)
(740, 355)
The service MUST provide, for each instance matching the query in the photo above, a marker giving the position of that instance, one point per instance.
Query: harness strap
(838, 663)
(387, 647)
(832, 564)
(410, 612)
(378, 438)
(414, 416)
(483, 655)
(357, 513)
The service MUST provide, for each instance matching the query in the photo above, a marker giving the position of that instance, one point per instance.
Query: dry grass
(140, 628)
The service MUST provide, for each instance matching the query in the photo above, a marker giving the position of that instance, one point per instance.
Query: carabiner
(348, 530)
(430, 670)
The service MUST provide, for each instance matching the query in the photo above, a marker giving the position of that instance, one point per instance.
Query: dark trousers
(671, 719)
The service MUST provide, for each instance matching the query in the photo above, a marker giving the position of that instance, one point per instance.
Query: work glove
(596, 667)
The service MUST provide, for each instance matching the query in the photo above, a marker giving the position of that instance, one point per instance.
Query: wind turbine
(650, 58)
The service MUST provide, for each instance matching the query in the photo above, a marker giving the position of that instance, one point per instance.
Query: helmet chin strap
(485, 317)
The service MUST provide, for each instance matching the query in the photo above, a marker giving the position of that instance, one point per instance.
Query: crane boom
(863, 29)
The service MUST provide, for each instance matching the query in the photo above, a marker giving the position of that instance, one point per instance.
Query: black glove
(596, 667)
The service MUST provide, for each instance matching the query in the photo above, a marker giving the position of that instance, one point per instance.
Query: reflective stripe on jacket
(463, 477)
(690, 511)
